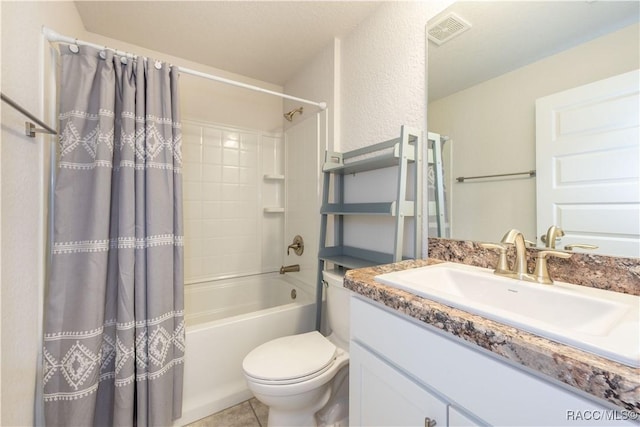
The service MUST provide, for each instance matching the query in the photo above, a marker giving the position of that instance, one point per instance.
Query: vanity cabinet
(404, 372)
(387, 397)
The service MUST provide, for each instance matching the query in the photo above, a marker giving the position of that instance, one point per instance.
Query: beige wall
(492, 131)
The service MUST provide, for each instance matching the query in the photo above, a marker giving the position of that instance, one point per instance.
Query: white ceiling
(266, 40)
(271, 40)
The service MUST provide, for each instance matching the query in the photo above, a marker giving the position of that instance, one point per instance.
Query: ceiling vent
(446, 28)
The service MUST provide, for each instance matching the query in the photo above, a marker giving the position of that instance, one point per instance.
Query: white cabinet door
(458, 419)
(588, 163)
(384, 396)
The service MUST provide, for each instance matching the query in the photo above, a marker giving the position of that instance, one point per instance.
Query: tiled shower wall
(233, 201)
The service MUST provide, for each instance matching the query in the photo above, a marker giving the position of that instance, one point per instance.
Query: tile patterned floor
(250, 413)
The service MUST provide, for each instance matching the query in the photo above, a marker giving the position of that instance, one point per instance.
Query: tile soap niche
(273, 189)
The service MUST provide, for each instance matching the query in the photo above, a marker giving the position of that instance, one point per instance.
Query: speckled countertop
(600, 377)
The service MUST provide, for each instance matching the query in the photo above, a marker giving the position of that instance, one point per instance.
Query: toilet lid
(290, 357)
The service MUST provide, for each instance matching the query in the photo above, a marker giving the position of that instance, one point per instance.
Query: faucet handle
(554, 233)
(503, 265)
(579, 245)
(541, 272)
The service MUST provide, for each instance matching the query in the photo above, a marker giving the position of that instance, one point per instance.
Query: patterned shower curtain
(114, 329)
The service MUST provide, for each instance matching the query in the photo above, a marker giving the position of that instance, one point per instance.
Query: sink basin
(602, 322)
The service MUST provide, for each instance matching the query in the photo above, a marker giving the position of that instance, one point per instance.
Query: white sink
(602, 322)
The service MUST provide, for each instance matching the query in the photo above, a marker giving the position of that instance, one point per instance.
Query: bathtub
(225, 320)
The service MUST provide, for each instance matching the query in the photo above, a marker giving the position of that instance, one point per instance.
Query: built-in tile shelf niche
(274, 190)
(233, 201)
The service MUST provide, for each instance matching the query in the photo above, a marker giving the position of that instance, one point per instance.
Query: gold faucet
(289, 268)
(519, 269)
(553, 234)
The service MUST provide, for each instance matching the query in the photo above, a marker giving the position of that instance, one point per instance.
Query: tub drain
(294, 294)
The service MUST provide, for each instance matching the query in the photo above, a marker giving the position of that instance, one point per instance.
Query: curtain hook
(74, 48)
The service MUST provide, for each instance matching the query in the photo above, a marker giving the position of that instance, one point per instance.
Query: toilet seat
(290, 360)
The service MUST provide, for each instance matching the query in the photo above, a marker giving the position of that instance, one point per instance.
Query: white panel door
(588, 163)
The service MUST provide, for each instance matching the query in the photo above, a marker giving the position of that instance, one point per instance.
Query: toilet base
(336, 412)
(298, 410)
(324, 407)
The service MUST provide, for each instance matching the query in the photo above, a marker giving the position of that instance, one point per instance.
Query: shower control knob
(297, 246)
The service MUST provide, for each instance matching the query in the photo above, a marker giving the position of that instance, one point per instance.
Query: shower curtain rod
(56, 37)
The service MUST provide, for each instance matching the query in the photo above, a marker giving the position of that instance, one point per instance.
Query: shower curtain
(114, 329)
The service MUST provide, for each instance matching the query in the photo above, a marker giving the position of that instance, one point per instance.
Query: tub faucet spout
(289, 268)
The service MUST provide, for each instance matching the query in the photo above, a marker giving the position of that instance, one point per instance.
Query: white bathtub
(225, 320)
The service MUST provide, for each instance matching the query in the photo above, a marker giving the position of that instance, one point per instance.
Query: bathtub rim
(299, 285)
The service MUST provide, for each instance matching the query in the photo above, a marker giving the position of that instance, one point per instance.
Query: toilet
(304, 378)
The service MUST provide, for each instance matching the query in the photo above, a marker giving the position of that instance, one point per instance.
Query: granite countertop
(598, 376)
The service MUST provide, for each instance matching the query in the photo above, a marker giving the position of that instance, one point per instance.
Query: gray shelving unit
(434, 143)
(399, 153)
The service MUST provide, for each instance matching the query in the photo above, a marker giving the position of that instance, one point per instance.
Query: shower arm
(290, 114)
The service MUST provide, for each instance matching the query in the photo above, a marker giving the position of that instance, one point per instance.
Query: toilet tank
(338, 311)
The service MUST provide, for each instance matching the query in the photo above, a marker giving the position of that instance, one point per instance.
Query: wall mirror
(493, 61)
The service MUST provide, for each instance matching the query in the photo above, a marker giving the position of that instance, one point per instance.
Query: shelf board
(349, 262)
(383, 161)
(350, 257)
(407, 208)
(384, 208)
(386, 159)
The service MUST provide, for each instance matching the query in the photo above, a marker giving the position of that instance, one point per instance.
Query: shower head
(290, 114)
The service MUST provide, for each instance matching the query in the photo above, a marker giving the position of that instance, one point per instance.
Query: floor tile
(261, 410)
(241, 415)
